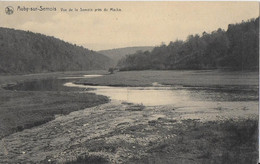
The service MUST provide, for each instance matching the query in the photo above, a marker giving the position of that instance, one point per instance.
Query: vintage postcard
(164, 82)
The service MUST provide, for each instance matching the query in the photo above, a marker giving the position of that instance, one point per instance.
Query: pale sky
(137, 24)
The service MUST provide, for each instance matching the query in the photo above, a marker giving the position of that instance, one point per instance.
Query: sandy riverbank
(114, 133)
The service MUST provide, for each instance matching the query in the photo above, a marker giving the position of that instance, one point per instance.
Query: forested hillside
(27, 52)
(119, 53)
(236, 49)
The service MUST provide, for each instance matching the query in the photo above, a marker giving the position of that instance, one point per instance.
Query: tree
(236, 48)
(111, 70)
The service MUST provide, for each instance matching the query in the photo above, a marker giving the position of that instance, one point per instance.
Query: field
(122, 132)
(25, 109)
(183, 78)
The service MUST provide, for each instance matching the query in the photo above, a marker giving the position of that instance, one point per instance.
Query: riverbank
(123, 132)
(113, 133)
(20, 110)
(196, 78)
(14, 79)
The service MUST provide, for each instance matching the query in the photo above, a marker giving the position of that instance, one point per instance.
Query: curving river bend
(191, 98)
(70, 136)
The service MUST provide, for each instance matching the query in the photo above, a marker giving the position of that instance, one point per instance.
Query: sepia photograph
(121, 82)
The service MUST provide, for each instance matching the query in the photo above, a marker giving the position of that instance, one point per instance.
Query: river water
(194, 98)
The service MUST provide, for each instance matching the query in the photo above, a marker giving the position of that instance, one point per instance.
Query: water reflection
(179, 96)
(80, 77)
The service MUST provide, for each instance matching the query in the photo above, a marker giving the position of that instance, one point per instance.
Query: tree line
(236, 49)
(28, 52)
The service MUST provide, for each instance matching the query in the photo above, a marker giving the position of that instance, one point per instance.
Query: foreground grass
(111, 133)
(187, 142)
(211, 142)
(185, 78)
(25, 109)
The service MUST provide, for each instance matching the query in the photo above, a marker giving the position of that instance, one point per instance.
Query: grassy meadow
(201, 78)
(25, 109)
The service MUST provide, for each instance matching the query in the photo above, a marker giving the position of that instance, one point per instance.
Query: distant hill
(119, 53)
(28, 52)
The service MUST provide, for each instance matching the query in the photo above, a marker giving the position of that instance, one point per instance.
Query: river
(192, 98)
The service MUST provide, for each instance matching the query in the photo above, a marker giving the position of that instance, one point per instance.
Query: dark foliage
(27, 52)
(236, 49)
(119, 53)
